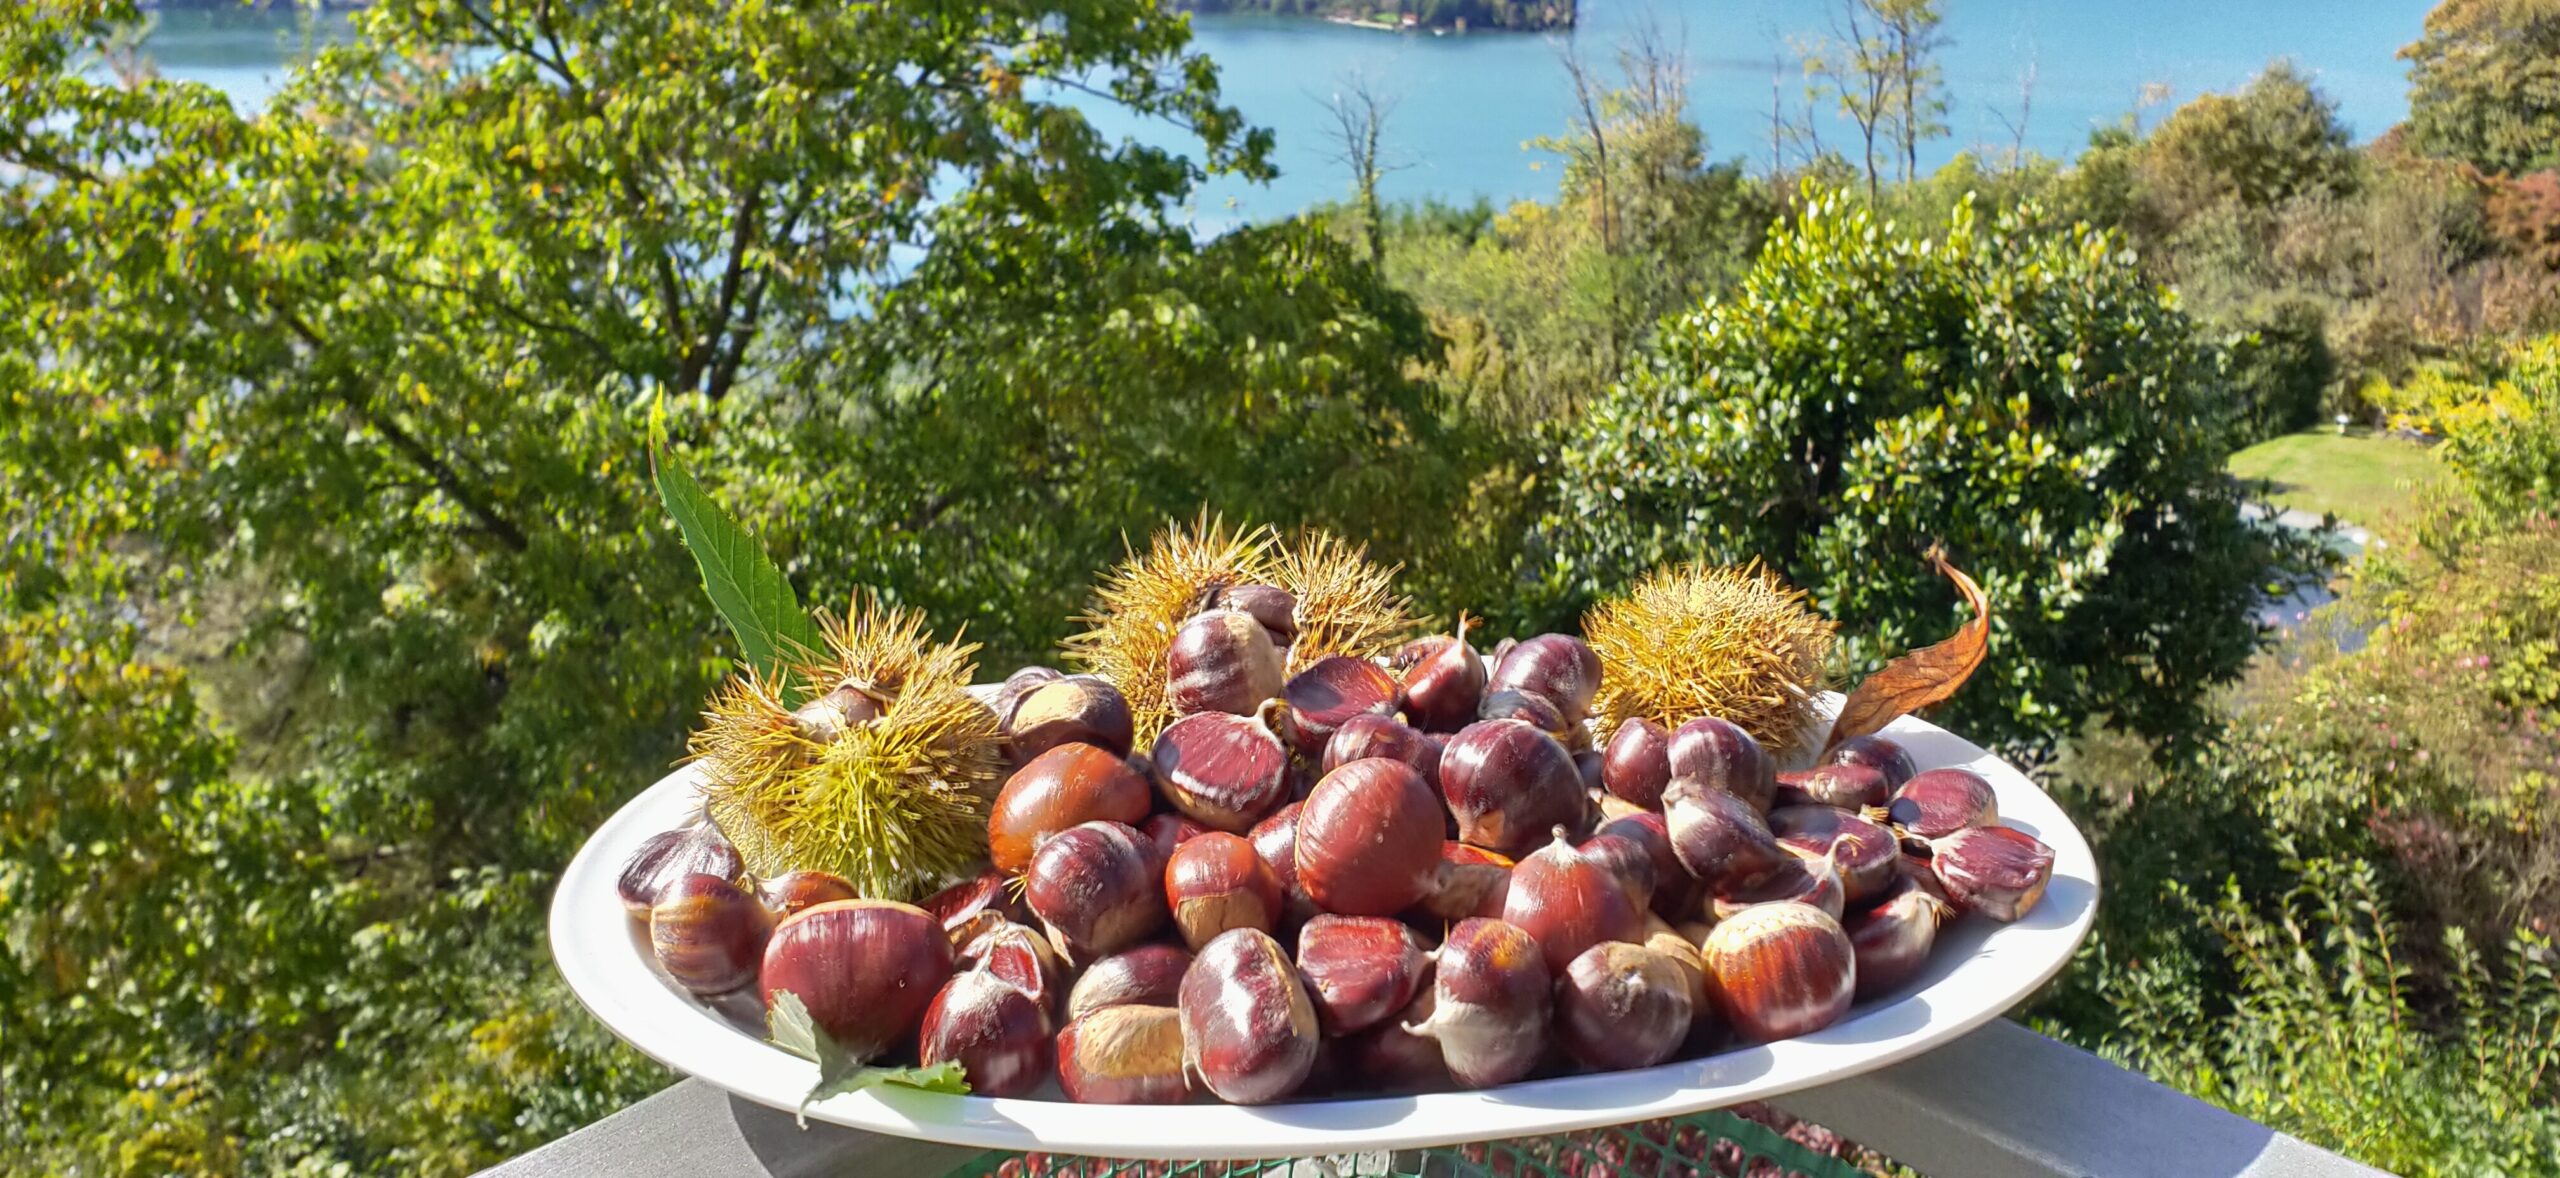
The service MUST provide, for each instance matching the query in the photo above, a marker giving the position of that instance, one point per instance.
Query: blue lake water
(1467, 104)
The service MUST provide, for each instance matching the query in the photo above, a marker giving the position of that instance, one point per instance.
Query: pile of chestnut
(1397, 875)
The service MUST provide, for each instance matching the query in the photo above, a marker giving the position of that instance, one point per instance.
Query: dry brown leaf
(1924, 677)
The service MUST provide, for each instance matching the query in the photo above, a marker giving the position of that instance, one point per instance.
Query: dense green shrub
(2280, 369)
(2027, 399)
(2484, 84)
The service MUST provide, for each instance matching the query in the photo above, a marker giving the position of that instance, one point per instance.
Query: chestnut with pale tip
(1096, 888)
(1066, 786)
(1719, 754)
(1082, 709)
(1940, 802)
(1470, 881)
(791, 891)
(1560, 667)
(1570, 898)
(1681, 950)
(1508, 785)
(1216, 883)
(671, 855)
(1845, 787)
(1636, 765)
(1369, 735)
(1008, 695)
(1148, 975)
(1718, 837)
(1330, 693)
(1876, 752)
(1998, 871)
(1527, 707)
(1490, 1000)
(865, 969)
(1892, 940)
(1391, 1058)
(1222, 660)
(1675, 892)
(1124, 1055)
(1776, 971)
(1368, 839)
(998, 1034)
(1444, 680)
(1360, 970)
(1222, 771)
(1270, 605)
(1248, 1029)
(1622, 1005)
(708, 933)
(1802, 878)
(1865, 853)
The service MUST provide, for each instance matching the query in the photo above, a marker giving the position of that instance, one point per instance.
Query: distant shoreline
(1407, 16)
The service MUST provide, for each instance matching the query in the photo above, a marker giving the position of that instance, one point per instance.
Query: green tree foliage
(2027, 399)
(2276, 140)
(2484, 84)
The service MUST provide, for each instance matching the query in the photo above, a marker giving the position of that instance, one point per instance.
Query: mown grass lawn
(2361, 478)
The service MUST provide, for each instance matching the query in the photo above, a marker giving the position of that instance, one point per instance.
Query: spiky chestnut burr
(889, 790)
(1694, 640)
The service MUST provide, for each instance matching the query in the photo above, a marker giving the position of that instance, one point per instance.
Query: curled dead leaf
(1924, 677)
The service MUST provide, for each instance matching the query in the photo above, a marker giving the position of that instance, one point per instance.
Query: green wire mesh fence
(1716, 1144)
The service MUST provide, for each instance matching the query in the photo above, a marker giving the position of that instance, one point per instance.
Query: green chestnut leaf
(744, 584)
(838, 1071)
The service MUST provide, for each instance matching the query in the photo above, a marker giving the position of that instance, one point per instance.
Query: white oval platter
(1979, 970)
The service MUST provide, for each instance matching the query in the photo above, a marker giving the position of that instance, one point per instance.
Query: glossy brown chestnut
(1675, 891)
(1471, 881)
(1940, 802)
(1528, 707)
(1270, 605)
(788, 893)
(1776, 971)
(1998, 871)
(1248, 1029)
(1330, 693)
(1682, 951)
(1637, 763)
(1621, 1005)
(959, 906)
(671, 855)
(1020, 955)
(1124, 1055)
(1718, 837)
(999, 1035)
(1802, 878)
(1083, 709)
(1844, 787)
(1629, 860)
(1570, 898)
(1222, 660)
(1275, 839)
(1168, 831)
(1222, 771)
(1215, 883)
(1720, 754)
(864, 968)
(1490, 999)
(1097, 888)
(1560, 667)
(1892, 939)
(1360, 970)
(1865, 852)
(1149, 975)
(1365, 736)
(708, 933)
(1509, 785)
(1066, 786)
(1391, 1058)
(1874, 752)
(1444, 680)
(1368, 839)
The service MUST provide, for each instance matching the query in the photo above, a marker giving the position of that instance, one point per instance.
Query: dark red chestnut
(1443, 680)
(1215, 883)
(1364, 736)
(1391, 1058)
(1675, 891)
(1270, 605)
(1021, 956)
(1776, 971)
(788, 893)
(1629, 859)
(1149, 975)
(1275, 839)
(1877, 753)
(1557, 666)
(1509, 785)
(1124, 1055)
(1359, 970)
(1682, 950)
(997, 1033)
(1222, 771)
(1892, 939)
(1568, 899)
(1330, 693)
(1587, 762)
(1368, 841)
(1248, 1030)
(865, 969)
(1168, 831)
(1471, 881)
(1720, 754)
(1222, 660)
(1097, 888)
(708, 933)
(1637, 764)
(1865, 852)
(1801, 878)
(1622, 1005)
(1530, 708)
(670, 855)
(1718, 837)
(1066, 786)
(1940, 802)
(1997, 871)
(1084, 709)
(1490, 1002)
(1843, 787)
